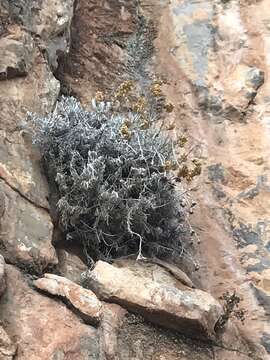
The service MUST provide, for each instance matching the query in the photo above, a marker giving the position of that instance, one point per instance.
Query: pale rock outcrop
(70, 266)
(43, 328)
(191, 311)
(85, 301)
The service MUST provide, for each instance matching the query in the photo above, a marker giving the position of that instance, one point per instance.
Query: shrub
(113, 171)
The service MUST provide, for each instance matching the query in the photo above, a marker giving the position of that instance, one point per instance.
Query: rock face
(49, 20)
(2, 275)
(39, 325)
(201, 31)
(215, 58)
(26, 232)
(70, 266)
(32, 35)
(96, 64)
(16, 51)
(85, 301)
(217, 65)
(193, 312)
(7, 348)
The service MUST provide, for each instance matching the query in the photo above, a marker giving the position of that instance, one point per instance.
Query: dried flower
(169, 107)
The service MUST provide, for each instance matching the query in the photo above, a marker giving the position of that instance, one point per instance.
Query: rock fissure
(23, 196)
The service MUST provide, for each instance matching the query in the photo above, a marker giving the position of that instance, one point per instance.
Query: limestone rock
(16, 53)
(85, 301)
(7, 347)
(191, 311)
(26, 232)
(2, 275)
(42, 327)
(70, 266)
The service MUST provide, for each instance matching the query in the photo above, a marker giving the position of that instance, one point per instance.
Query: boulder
(16, 53)
(7, 347)
(191, 311)
(83, 300)
(42, 327)
(26, 232)
(70, 266)
(2, 275)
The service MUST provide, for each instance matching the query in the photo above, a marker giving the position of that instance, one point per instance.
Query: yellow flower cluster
(124, 89)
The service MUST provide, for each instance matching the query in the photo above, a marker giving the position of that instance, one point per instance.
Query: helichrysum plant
(115, 175)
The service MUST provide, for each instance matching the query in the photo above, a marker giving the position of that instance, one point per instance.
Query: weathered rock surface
(26, 227)
(93, 63)
(209, 36)
(26, 232)
(19, 161)
(41, 327)
(85, 301)
(7, 348)
(2, 275)
(70, 266)
(221, 48)
(16, 53)
(111, 323)
(49, 20)
(193, 312)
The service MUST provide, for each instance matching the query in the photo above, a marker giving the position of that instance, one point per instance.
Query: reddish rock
(41, 327)
(85, 301)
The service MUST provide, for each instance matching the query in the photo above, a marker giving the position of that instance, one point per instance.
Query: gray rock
(265, 341)
(216, 173)
(2, 275)
(16, 54)
(255, 77)
(26, 233)
(191, 311)
(49, 20)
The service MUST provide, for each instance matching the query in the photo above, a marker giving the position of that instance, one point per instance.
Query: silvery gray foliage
(114, 196)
